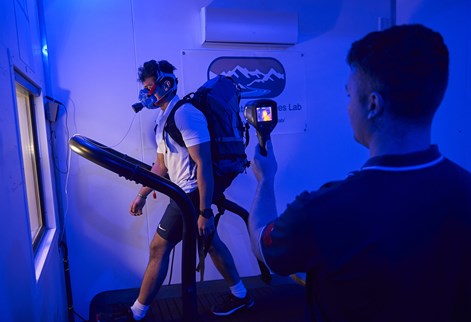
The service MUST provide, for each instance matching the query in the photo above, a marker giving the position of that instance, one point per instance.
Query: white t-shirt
(194, 129)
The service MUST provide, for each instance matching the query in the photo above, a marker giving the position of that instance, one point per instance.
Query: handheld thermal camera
(262, 114)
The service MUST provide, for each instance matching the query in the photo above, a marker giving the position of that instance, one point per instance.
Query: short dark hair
(407, 65)
(153, 68)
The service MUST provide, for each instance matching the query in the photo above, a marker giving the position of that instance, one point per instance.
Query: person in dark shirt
(392, 241)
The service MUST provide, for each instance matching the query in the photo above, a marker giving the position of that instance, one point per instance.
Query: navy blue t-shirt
(391, 242)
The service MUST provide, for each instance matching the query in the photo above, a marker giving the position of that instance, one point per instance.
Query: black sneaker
(122, 316)
(230, 304)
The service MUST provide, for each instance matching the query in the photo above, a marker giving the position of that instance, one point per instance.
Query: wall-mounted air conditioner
(229, 25)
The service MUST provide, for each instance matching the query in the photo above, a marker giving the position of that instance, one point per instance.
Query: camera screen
(264, 114)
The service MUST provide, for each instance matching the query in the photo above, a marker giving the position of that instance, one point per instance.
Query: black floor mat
(281, 301)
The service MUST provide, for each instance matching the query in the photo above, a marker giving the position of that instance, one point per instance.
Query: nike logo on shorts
(162, 228)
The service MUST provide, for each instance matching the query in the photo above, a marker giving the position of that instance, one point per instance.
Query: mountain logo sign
(258, 77)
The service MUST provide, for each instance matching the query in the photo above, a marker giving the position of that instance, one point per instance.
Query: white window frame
(27, 126)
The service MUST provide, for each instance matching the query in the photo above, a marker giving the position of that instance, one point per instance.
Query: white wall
(28, 280)
(451, 128)
(95, 49)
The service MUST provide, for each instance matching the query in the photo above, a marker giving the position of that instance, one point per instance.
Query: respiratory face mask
(148, 99)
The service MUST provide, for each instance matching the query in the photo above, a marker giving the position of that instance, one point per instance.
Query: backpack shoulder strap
(170, 126)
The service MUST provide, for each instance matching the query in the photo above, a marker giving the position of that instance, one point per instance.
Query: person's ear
(375, 105)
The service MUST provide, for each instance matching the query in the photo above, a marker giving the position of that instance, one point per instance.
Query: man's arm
(263, 209)
(158, 168)
(201, 155)
(138, 203)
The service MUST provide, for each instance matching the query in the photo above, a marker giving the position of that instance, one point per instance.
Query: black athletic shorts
(170, 227)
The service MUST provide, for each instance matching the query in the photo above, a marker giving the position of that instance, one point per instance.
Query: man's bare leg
(156, 270)
(223, 261)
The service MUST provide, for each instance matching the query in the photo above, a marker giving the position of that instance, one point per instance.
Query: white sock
(139, 310)
(238, 290)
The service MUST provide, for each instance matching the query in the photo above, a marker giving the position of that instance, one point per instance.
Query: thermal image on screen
(264, 114)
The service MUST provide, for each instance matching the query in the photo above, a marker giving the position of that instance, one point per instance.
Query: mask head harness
(147, 97)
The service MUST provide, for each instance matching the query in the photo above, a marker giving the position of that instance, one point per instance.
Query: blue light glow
(44, 50)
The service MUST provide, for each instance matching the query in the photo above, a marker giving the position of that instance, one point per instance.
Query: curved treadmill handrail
(139, 172)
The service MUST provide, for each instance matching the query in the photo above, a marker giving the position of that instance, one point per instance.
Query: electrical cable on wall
(62, 243)
(126, 134)
(53, 141)
(65, 170)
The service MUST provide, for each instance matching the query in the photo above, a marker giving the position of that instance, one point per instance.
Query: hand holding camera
(263, 116)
